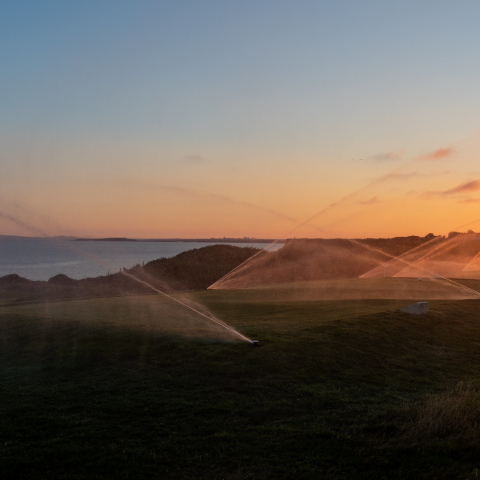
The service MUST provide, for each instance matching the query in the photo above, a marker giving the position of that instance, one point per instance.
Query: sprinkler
(255, 343)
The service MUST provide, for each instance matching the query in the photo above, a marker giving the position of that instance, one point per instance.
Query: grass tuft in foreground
(454, 415)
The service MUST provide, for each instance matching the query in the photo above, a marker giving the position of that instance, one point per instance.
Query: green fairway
(137, 387)
(360, 288)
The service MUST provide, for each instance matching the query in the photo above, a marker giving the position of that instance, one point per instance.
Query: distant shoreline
(198, 240)
(126, 239)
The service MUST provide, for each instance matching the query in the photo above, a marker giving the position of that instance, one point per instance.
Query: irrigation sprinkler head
(255, 343)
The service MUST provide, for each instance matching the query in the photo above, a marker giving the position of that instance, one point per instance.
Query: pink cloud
(468, 187)
(437, 154)
(472, 186)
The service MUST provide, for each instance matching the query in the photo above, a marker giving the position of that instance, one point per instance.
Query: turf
(337, 389)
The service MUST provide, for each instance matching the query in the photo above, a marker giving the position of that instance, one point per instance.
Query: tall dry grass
(453, 414)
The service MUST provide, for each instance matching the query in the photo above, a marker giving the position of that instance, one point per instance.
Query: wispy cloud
(370, 201)
(468, 187)
(470, 200)
(195, 194)
(410, 175)
(472, 186)
(196, 158)
(22, 224)
(438, 154)
(25, 217)
(403, 176)
(386, 157)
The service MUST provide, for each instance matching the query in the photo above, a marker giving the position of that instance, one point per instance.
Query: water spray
(212, 319)
(368, 247)
(436, 275)
(98, 259)
(404, 254)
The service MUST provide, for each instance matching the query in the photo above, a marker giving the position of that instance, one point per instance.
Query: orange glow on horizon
(199, 200)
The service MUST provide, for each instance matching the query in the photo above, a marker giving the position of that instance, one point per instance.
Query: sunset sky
(249, 118)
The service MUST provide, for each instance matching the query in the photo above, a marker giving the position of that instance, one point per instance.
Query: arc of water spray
(404, 254)
(465, 269)
(265, 249)
(427, 254)
(215, 320)
(368, 247)
(41, 233)
(471, 290)
(464, 225)
(447, 248)
(21, 224)
(478, 254)
(214, 196)
(431, 252)
(321, 212)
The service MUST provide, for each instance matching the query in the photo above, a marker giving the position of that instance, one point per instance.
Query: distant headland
(199, 240)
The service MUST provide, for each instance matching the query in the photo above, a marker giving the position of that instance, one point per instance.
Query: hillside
(334, 259)
(319, 259)
(194, 269)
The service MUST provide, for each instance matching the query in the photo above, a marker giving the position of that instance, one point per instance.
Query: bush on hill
(198, 268)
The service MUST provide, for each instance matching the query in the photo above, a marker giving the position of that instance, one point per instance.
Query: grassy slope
(333, 391)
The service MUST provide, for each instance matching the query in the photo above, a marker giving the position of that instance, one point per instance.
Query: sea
(43, 258)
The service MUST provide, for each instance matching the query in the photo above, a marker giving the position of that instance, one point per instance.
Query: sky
(261, 118)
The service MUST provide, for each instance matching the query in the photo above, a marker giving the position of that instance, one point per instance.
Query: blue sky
(269, 100)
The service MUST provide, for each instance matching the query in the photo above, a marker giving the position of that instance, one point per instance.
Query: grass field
(134, 388)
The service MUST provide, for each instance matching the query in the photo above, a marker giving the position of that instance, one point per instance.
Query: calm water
(41, 258)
